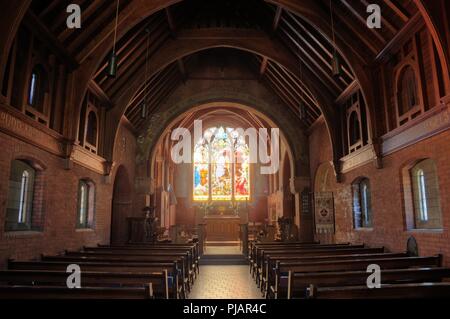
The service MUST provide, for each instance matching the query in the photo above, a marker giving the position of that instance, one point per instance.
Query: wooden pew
(297, 283)
(191, 250)
(179, 258)
(259, 265)
(190, 262)
(257, 248)
(173, 271)
(158, 280)
(282, 269)
(194, 248)
(164, 258)
(268, 274)
(395, 291)
(111, 258)
(50, 292)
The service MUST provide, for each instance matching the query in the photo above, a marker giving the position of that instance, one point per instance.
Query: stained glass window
(221, 166)
(201, 171)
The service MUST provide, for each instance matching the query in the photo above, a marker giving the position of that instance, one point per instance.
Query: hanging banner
(324, 212)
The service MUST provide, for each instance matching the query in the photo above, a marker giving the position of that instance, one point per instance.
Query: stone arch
(147, 145)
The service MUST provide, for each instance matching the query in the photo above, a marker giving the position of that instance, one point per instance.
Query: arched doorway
(121, 206)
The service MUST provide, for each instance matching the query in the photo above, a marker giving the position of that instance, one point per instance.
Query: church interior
(206, 149)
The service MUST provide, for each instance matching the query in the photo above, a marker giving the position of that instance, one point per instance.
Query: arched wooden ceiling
(297, 34)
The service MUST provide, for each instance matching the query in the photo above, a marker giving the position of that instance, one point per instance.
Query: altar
(222, 221)
(222, 228)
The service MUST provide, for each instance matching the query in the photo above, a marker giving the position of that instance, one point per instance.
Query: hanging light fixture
(335, 62)
(112, 63)
(146, 83)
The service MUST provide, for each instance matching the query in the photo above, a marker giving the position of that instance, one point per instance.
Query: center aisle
(225, 282)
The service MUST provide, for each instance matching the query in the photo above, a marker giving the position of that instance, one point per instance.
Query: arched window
(354, 128)
(86, 203)
(20, 196)
(422, 195)
(407, 93)
(23, 205)
(37, 88)
(91, 130)
(362, 211)
(221, 166)
(425, 191)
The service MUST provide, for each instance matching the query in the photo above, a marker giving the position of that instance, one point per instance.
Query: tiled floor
(225, 282)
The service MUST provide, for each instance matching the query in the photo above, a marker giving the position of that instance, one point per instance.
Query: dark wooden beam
(101, 95)
(171, 21)
(276, 20)
(398, 10)
(42, 32)
(410, 27)
(182, 69)
(263, 66)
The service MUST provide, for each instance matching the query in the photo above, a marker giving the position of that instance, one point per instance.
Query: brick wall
(387, 195)
(59, 201)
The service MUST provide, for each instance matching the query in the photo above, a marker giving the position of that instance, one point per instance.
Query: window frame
(23, 195)
(408, 59)
(38, 108)
(425, 211)
(86, 204)
(87, 145)
(361, 193)
(210, 171)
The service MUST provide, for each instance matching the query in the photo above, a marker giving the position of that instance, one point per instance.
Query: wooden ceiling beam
(42, 32)
(165, 84)
(263, 66)
(313, 65)
(85, 37)
(288, 100)
(135, 41)
(149, 90)
(98, 91)
(276, 20)
(86, 14)
(275, 72)
(352, 8)
(385, 22)
(128, 18)
(326, 61)
(134, 65)
(411, 26)
(171, 21)
(124, 53)
(182, 69)
(311, 38)
(399, 11)
(282, 81)
(49, 8)
(139, 95)
(358, 33)
(312, 12)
